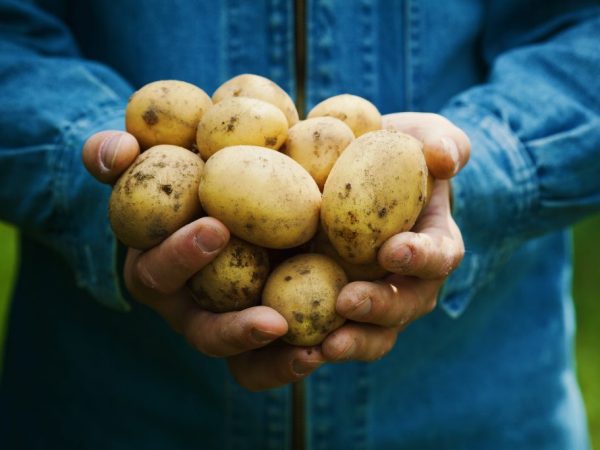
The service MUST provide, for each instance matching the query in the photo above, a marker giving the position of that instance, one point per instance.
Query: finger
(394, 302)
(446, 147)
(274, 366)
(362, 342)
(106, 155)
(165, 268)
(232, 333)
(433, 249)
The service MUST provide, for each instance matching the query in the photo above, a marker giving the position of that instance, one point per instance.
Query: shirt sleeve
(535, 161)
(52, 100)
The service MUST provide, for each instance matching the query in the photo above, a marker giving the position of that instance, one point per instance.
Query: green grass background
(586, 291)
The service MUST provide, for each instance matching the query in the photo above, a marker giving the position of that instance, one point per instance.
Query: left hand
(420, 260)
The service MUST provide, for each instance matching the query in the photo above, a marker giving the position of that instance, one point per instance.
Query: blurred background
(586, 291)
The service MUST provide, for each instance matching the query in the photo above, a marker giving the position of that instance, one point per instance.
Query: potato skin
(255, 86)
(166, 112)
(358, 113)
(316, 144)
(233, 280)
(155, 196)
(376, 189)
(355, 272)
(240, 121)
(262, 196)
(304, 290)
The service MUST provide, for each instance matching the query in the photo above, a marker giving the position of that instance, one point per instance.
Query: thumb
(107, 154)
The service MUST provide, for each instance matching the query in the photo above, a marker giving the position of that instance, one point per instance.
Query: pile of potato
(308, 202)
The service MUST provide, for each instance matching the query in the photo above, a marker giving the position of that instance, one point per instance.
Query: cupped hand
(420, 260)
(157, 278)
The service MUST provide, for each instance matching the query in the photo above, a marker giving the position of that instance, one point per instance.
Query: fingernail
(109, 150)
(450, 148)
(302, 367)
(262, 336)
(361, 308)
(401, 257)
(209, 240)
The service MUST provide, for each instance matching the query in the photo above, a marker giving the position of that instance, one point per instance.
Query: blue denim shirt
(490, 368)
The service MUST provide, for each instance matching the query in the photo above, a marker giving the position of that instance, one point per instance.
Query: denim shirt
(491, 368)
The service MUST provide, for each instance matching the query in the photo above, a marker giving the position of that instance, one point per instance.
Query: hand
(420, 260)
(157, 278)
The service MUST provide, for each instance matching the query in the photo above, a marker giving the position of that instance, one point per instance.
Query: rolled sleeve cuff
(491, 196)
(85, 234)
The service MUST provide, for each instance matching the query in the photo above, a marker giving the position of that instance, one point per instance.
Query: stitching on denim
(321, 29)
(368, 39)
(277, 40)
(235, 47)
(322, 408)
(363, 394)
(412, 63)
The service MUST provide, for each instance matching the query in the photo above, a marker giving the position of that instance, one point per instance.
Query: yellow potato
(304, 290)
(255, 86)
(316, 144)
(262, 196)
(376, 189)
(354, 272)
(358, 113)
(156, 195)
(233, 280)
(166, 112)
(241, 121)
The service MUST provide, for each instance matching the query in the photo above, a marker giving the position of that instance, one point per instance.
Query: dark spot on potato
(166, 188)
(304, 271)
(249, 226)
(352, 217)
(298, 316)
(316, 303)
(230, 127)
(420, 196)
(348, 187)
(270, 141)
(287, 278)
(150, 117)
(237, 259)
(176, 207)
(237, 92)
(316, 136)
(382, 212)
(141, 176)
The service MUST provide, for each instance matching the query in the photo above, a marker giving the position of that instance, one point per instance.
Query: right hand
(157, 278)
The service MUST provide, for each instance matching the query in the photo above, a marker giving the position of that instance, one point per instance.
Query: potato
(354, 272)
(241, 121)
(376, 189)
(304, 290)
(316, 144)
(255, 86)
(262, 196)
(166, 112)
(156, 195)
(233, 280)
(358, 113)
